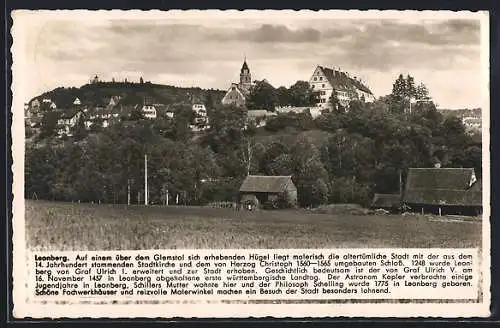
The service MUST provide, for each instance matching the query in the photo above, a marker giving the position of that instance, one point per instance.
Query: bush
(281, 202)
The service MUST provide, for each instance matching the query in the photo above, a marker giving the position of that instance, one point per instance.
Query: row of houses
(427, 190)
(105, 116)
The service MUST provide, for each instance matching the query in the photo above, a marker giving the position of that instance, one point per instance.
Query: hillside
(99, 94)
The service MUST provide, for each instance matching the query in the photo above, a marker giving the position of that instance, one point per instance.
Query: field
(67, 226)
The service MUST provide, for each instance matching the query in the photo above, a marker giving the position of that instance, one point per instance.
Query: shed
(386, 201)
(267, 188)
(453, 190)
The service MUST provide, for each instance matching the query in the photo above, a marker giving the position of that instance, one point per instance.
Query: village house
(77, 102)
(472, 123)
(443, 190)
(149, 111)
(326, 80)
(67, 120)
(35, 105)
(237, 92)
(260, 189)
(113, 101)
(201, 117)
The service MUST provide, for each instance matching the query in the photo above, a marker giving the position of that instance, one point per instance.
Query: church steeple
(245, 76)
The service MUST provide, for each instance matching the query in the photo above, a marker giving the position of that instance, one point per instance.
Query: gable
(319, 78)
(233, 94)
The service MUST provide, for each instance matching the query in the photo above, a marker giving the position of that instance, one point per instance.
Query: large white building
(326, 80)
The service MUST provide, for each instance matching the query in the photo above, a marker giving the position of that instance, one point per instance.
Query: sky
(206, 49)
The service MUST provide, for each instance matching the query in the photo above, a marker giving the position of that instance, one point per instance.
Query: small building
(259, 116)
(149, 111)
(67, 121)
(35, 104)
(77, 102)
(260, 189)
(472, 123)
(389, 202)
(200, 121)
(443, 191)
(200, 109)
(113, 101)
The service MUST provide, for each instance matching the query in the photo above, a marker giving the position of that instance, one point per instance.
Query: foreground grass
(67, 226)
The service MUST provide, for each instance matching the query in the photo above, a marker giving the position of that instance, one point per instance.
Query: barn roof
(386, 200)
(439, 178)
(443, 186)
(263, 183)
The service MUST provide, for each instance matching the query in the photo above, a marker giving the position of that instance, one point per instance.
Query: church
(237, 93)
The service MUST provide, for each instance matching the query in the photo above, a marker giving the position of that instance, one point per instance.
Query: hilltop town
(327, 137)
(100, 104)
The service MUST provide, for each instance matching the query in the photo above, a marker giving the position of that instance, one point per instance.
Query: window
(313, 86)
(323, 92)
(323, 85)
(321, 78)
(315, 78)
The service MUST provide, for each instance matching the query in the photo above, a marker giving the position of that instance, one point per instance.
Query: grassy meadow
(72, 226)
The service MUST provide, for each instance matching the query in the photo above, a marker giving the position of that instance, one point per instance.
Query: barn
(260, 189)
(389, 202)
(443, 191)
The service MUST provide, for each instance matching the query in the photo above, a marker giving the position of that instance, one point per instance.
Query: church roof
(245, 66)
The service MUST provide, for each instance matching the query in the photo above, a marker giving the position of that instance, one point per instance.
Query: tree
(309, 174)
(262, 96)
(284, 96)
(334, 103)
(79, 130)
(301, 94)
(48, 124)
(422, 93)
(409, 87)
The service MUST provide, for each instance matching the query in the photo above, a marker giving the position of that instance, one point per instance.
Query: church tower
(245, 77)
